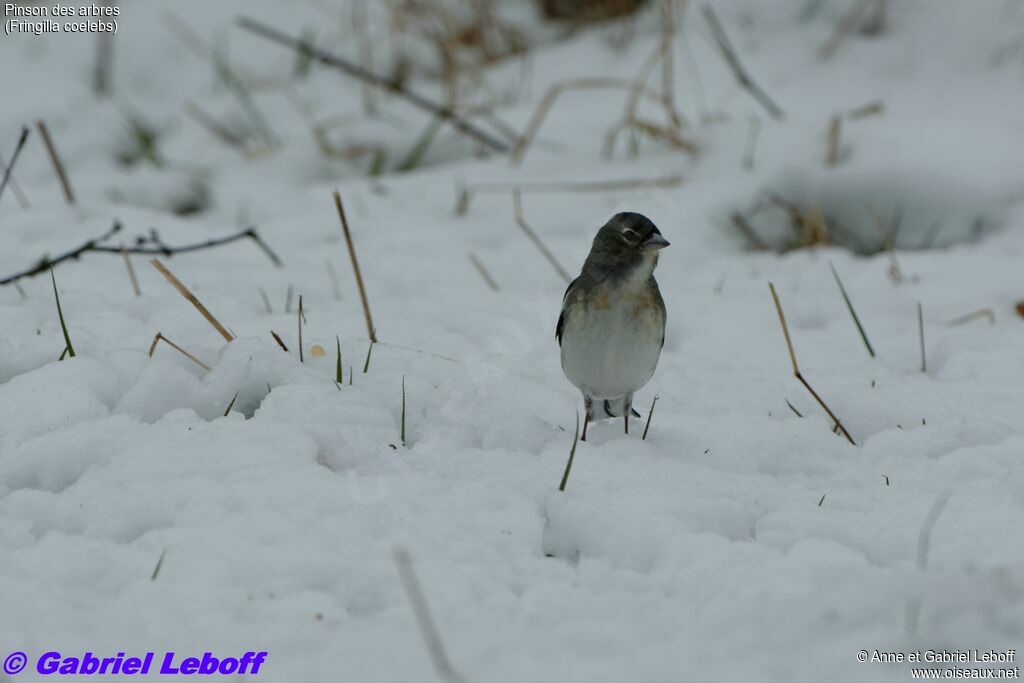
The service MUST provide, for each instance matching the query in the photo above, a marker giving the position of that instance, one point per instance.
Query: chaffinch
(612, 326)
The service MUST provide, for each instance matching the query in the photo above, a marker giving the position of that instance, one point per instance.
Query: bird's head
(627, 242)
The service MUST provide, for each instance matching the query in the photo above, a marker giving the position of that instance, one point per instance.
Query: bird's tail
(615, 407)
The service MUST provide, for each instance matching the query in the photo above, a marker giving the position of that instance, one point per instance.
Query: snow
(737, 542)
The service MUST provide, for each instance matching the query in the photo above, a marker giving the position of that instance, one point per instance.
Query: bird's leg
(588, 410)
(627, 408)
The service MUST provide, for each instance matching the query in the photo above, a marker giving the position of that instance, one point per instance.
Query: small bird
(612, 326)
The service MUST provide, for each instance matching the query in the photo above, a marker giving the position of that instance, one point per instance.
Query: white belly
(611, 351)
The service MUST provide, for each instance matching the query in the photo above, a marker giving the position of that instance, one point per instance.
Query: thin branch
(278, 340)
(525, 140)
(370, 330)
(844, 28)
(517, 205)
(58, 167)
(428, 629)
(14, 160)
(465, 192)
(191, 298)
(920, 330)
(389, 84)
(983, 313)
(835, 127)
(95, 245)
(161, 338)
(483, 272)
(796, 368)
(131, 271)
(733, 61)
(744, 226)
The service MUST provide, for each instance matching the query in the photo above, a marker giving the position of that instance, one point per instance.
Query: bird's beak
(655, 242)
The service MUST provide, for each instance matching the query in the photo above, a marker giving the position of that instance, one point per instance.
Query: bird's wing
(561, 318)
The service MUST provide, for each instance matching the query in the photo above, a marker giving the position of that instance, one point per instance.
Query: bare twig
(835, 126)
(131, 271)
(370, 330)
(983, 313)
(431, 636)
(844, 27)
(15, 188)
(278, 340)
(389, 84)
(483, 272)
(924, 537)
(14, 159)
(58, 167)
(744, 226)
(159, 565)
(751, 149)
(920, 330)
(796, 368)
(517, 207)
(191, 298)
(526, 139)
(102, 75)
(465, 192)
(216, 128)
(161, 338)
(95, 245)
(895, 273)
(870, 109)
(733, 61)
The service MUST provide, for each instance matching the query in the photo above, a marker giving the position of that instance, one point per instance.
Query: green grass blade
(572, 454)
(60, 314)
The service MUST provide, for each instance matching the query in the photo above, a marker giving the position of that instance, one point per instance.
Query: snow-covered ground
(737, 542)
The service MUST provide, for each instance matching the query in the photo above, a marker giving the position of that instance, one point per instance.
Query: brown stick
(466, 192)
(983, 313)
(796, 368)
(834, 128)
(58, 167)
(517, 208)
(131, 272)
(215, 127)
(524, 141)
(160, 337)
(184, 291)
(370, 330)
(391, 85)
(733, 61)
(843, 29)
(278, 340)
(483, 272)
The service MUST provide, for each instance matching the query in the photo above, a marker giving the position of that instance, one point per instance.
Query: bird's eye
(631, 234)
